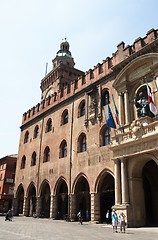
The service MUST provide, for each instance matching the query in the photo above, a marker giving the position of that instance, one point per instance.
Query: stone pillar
(26, 207)
(117, 182)
(15, 206)
(124, 182)
(127, 113)
(121, 109)
(95, 207)
(38, 206)
(72, 199)
(51, 206)
(54, 207)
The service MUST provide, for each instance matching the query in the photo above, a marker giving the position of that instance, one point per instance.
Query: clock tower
(62, 73)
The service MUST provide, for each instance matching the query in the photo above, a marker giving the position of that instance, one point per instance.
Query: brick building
(69, 159)
(7, 177)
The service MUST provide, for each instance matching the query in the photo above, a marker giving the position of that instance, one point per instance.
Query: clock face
(50, 92)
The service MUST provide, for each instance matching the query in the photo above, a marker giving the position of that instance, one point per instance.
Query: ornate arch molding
(138, 68)
(137, 165)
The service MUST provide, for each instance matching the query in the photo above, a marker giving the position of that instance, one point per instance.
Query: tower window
(23, 162)
(63, 149)
(81, 109)
(36, 131)
(105, 136)
(105, 98)
(64, 117)
(33, 159)
(26, 137)
(82, 145)
(49, 125)
(46, 155)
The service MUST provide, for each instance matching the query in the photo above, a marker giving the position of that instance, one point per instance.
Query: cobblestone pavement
(45, 229)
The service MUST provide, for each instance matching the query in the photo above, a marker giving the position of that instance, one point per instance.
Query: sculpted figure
(142, 105)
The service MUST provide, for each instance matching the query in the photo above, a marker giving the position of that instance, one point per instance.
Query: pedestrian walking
(79, 215)
(114, 217)
(108, 217)
(9, 215)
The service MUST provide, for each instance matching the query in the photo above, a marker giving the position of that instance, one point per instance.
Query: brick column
(38, 206)
(54, 207)
(26, 207)
(95, 207)
(15, 206)
(51, 206)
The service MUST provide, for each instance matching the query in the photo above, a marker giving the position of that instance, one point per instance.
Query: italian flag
(152, 105)
(116, 111)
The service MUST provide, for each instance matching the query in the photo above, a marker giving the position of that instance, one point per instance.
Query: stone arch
(143, 177)
(81, 189)
(131, 77)
(104, 187)
(31, 200)
(151, 58)
(61, 195)
(45, 193)
(19, 200)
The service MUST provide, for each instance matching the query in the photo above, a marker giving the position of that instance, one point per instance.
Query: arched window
(49, 125)
(81, 109)
(105, 98)
(82, 145)
(33, 159)
(105, 136)
(64, 117)
(46, 157)
(63, 149)
(26, 137)
(36, 131)
(23, 162)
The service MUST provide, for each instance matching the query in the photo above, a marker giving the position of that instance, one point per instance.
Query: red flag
(152, 105)
(116, 111)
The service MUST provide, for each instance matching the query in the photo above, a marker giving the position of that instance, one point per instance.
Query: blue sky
(31, 33)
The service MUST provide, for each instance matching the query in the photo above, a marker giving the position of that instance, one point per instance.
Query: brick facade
(70, 160)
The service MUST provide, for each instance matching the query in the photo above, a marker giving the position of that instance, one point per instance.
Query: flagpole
(117, 114)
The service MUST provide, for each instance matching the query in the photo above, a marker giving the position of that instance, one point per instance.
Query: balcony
(141, 136)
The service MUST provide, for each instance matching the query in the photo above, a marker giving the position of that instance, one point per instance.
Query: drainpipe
(70, 163)
(39, 157)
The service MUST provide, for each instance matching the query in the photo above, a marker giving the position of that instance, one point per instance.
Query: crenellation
(127, 51)
(82, 81)
(138, 44)
(151, 35)
(120, 46)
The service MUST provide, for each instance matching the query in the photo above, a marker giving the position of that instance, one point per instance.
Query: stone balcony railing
(139, 128)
